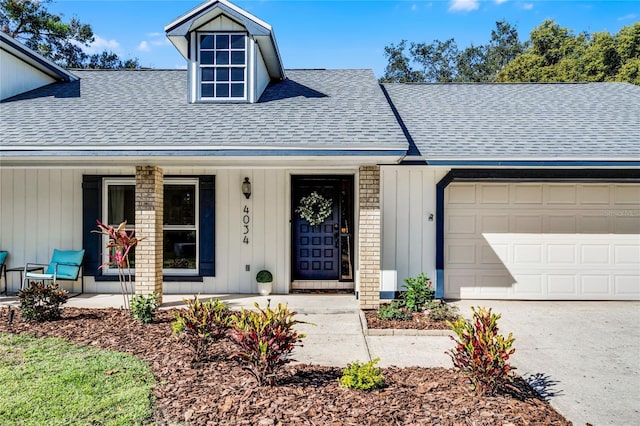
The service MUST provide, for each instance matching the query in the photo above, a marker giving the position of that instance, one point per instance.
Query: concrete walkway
(583, 356)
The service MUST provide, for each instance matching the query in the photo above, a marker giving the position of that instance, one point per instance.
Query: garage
(542, 240)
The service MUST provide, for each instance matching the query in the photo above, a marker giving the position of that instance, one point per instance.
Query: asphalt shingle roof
(340, 109)
(521, 121)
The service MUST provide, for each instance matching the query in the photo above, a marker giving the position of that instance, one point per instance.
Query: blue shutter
(207, 226)
(91, 210)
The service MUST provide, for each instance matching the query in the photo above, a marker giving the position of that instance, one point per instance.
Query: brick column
(369, 237)
(149, 213)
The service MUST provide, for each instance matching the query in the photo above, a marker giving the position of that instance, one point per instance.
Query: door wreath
(314, 208)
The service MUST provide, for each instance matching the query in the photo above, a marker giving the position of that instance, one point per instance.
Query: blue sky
(340, 34)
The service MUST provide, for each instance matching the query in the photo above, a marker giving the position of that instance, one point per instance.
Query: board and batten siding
(18, 77)
(41, 209)
(408, 236)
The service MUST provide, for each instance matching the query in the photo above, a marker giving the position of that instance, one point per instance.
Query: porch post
(149, 214)
(369, 237)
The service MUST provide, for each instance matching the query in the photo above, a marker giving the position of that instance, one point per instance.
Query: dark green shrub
(393, 311)
(144, 307)
(201, 324)
(41, 302)
(440, 311)
(264, 276)
(419, 291)
(362, 376)
(265, 339)
(481, 354)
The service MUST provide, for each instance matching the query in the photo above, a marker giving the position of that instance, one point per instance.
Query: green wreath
(314, 208)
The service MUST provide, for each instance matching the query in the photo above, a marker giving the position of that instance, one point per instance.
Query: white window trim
(199, 67)
(106, 182)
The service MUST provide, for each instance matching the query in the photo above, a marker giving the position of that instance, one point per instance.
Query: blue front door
(316, 248)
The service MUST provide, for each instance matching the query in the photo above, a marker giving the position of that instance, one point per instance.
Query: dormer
(231, 55)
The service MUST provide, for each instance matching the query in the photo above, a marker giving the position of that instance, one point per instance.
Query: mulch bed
(222, 392)
(418, 321)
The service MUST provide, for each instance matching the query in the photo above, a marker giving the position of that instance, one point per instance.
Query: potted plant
(265, 281)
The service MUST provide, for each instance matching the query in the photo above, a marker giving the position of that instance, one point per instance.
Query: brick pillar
(369, 237)
(149, 212)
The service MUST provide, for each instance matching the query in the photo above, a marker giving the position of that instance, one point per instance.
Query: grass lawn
(48, 381)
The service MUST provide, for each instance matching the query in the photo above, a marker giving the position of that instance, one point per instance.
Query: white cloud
(154, 34)
(629, 17)
(527, 6)
(144, 46)
(414, 7)
(99, 44)
(464, 5)
(500, 1)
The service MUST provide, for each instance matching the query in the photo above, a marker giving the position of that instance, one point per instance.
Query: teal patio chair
(3, 268)
(65, 265)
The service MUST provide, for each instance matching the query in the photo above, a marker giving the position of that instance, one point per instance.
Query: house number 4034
(245, 224)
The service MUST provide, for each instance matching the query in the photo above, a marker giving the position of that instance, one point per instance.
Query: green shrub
(419, 291)
(265, 339)
(41, 302)
(440, 311)
(481, 354)
(201, 324)
(362, 376)
(144, 307)
(264, 276)
(393, 311)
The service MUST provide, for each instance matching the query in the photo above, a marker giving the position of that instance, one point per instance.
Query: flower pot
(265, 288)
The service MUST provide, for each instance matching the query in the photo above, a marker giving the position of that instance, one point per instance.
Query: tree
(31, 23)
(442, 61)
(556, 54)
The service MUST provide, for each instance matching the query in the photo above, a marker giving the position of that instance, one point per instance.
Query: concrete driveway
(585, 356)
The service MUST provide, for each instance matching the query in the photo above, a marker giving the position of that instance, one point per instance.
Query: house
(521, 191)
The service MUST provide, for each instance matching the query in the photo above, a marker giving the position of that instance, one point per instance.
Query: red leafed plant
(201, 324)
(265, 339)
(119, 246)
(481, 354)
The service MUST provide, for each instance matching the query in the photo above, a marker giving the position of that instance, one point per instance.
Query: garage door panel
(628, 285)
(562, 195)
(526, 223)
(527, 194)
(494, 194)
(575, 245)
(595, 286)
(626, 194)
(564, 285)
(462, 194)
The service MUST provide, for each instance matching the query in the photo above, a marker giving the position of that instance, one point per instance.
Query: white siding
(221, 23)
(16, 76)
(408, 236)
(41, 209)
(262, 75)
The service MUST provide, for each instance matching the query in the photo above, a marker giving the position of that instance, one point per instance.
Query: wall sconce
(246, 188)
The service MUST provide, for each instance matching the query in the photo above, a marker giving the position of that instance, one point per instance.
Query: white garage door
(542, 241)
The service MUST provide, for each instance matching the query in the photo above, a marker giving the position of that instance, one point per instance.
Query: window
(180, 225)
(222, 69)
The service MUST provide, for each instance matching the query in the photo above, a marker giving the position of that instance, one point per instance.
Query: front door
(319, 249)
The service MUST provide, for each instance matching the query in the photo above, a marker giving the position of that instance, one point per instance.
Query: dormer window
(222, 66)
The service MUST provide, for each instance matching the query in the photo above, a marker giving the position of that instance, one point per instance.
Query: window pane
(206, 90)
(222, 58)
(237, 74)
(206, 41)
(206, 58)
(237, 90)
(237, 42)
(179, 249)
(237, 58)
(222, 42)
(222, 74)
(179, 205)
(121, 204)
(207, 74)
(222, 90)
